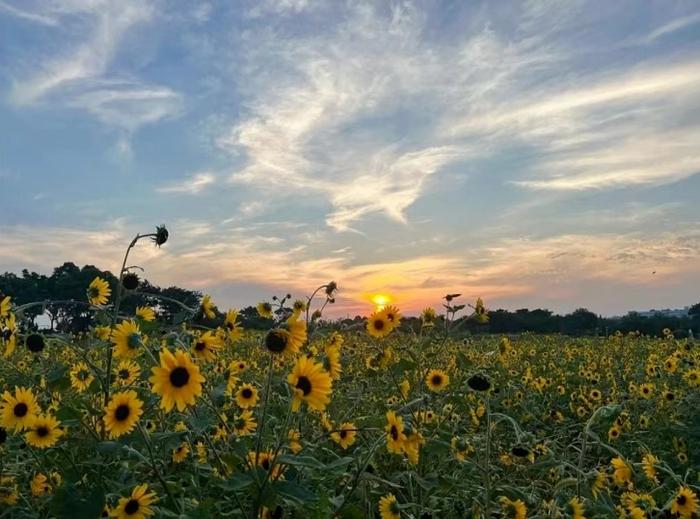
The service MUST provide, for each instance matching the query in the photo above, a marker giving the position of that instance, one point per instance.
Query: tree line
(66, 310)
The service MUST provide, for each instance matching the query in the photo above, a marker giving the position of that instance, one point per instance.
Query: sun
(381, 300)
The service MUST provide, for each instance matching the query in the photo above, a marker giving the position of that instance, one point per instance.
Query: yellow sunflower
(247, 396)
(207, 307)
(393, 315)
(17, 411)
(437, 380)
(205, 346)
(177, 380)
(137, 505)
(122, 413)
(311, 384)
(622, 473)
(577, 509)
(264, 460)
(395, 436)
(333, 360)
(80, 377)
(297, 333)
(40, 485)
(127, 372)
(515, 509)
(181, 452)
(649, 462)
(244, 424)
(378, 325)
(4, 306)
(389, 507)
(103, 332)
(232, 326)
(145, 313)
(9, 335)
(44, 431)
(264, 310)
(685, 503)
(346, 435)
(127, 340)
(98, 291)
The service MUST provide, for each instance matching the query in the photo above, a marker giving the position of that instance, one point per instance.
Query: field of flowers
(140, 418)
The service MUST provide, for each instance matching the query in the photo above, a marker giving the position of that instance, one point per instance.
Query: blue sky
(540, 154)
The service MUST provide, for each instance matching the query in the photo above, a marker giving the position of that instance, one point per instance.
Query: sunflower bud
(331, 288)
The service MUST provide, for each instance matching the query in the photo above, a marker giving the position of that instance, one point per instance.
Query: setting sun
(381, 300)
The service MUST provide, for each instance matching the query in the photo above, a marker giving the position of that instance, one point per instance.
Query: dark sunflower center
(179, 377)
(343, 434)
(122, 412)
(200, 346)
(681, 500)
(436, 380)
(21, 410)
(230, 326)
(304, 384)
(42, 431)
(134, 340)
(247, 393)
(378, 324)
(132, 507)
(124, 373)
(265, 464)
(276, 341)
(94, 292)
(394, 433)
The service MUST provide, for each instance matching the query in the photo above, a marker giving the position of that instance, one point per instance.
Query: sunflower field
(142, 418)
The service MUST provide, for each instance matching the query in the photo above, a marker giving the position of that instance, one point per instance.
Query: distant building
(679, 312)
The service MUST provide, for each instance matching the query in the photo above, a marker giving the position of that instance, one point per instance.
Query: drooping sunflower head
(130, 281)
(161, 235)
(98, 291)
(177, 380)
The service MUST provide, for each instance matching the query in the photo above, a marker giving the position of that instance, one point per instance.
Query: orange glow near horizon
(381, 300)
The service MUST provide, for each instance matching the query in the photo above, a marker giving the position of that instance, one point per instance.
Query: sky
(534, 153)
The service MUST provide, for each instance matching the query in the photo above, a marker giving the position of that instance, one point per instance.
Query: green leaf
(70, 502)
(301, 461)
(294, 491)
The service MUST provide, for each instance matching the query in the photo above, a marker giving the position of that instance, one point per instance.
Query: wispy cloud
(193, 185)
(27, 15)
(78, 74)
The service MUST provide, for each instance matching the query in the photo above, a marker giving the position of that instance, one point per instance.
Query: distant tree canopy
(67, 287)
(68, 283)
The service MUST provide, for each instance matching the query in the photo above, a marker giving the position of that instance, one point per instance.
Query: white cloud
(27, 15)
(78, 73)
(193, 185)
